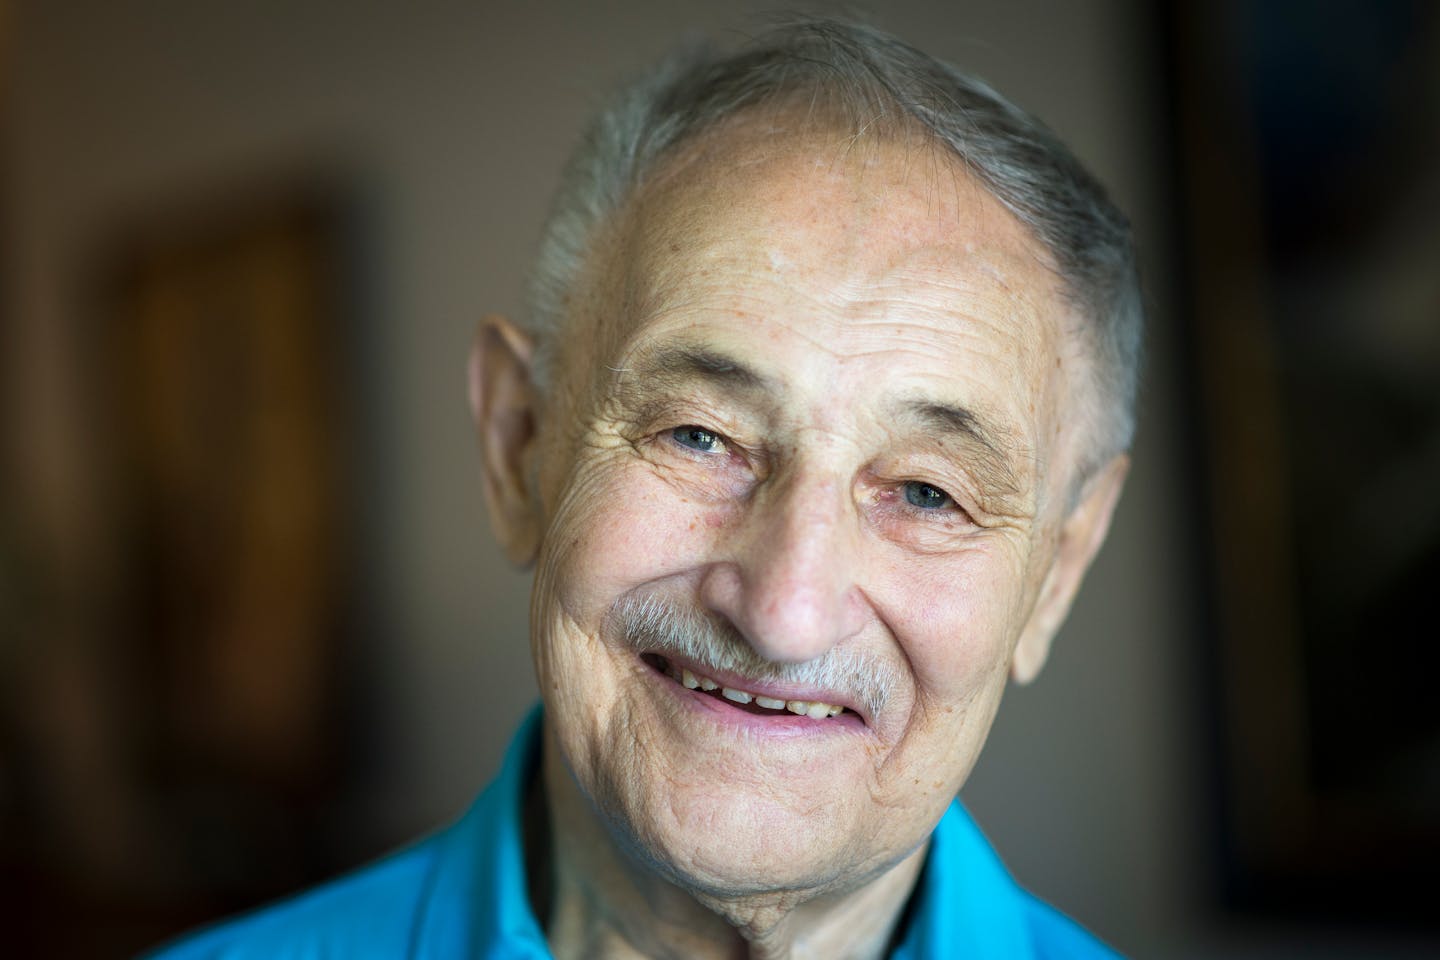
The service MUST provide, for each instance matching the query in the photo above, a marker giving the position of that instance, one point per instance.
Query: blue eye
(926, 497)
(698, 438)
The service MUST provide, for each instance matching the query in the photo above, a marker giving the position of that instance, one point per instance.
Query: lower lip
(718, 710)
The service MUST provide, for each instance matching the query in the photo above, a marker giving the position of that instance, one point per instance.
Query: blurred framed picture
(221, 380)
(183, 754)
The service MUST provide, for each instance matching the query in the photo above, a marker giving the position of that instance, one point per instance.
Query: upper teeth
(814, 709)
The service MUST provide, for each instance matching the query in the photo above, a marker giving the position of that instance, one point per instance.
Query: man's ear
(503, 403)
(1081, 534)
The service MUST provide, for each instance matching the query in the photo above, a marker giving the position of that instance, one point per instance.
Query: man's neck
(593, 900)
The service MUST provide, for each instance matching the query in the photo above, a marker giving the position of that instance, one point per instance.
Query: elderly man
(817, 420)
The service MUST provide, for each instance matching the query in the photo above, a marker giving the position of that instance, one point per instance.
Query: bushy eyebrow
(954, 422)
(987, 450)
(678, 364)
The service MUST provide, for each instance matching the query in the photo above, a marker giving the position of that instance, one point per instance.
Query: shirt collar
(966, 904)
(477, 903)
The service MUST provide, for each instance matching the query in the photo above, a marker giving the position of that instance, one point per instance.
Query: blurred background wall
(379, 173)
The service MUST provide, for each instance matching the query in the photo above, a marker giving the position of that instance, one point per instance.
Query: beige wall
(453, 119)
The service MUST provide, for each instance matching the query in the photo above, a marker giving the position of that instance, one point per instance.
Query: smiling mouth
(754, 703)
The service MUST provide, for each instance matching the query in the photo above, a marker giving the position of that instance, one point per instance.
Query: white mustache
(651, 624)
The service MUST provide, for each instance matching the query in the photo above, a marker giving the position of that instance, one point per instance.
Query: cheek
(616, 527)
(957, 618)
(620, 526)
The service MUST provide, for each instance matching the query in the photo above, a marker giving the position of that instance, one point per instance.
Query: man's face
(809, 445)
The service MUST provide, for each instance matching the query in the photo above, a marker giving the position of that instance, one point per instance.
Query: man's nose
(789, 586)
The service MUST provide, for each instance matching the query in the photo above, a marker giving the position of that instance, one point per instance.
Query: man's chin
(732, 847)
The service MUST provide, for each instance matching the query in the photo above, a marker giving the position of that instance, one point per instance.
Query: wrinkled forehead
(771, 190)
(838, 232)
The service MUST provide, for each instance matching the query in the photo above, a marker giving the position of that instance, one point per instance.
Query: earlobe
(1081, 536)
(503, 404)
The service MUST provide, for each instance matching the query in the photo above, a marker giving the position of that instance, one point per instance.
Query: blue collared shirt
(461, 893)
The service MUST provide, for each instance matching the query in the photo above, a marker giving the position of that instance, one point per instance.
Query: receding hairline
(853, 78)
(794, 122)
(730, 142)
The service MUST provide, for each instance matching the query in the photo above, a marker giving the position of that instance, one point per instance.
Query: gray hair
(867, 77)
